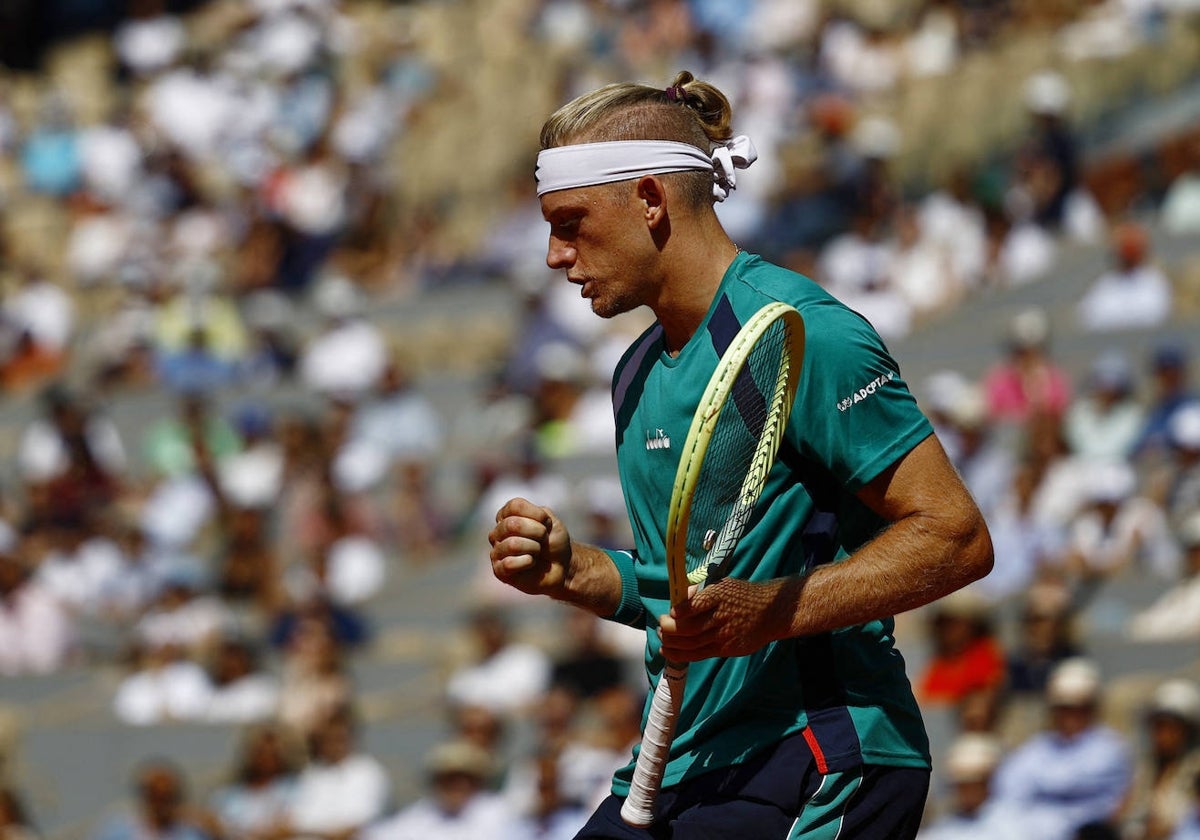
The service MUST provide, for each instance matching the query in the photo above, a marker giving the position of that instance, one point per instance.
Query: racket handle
(638, 809)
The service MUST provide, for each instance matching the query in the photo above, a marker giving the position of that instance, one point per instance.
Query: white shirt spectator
(81, 579)
(1138, 533)
(507, 681)
(36, 634)
(43, 456)
(190, 109)
(176, 691)
(484, 817)
(111, 160)
(356, 569)
(96, 246)
(190, 624)
(253, 698)
(1027, 254)
(1134, 299)
(345, 360)
(44, 310)
(1174, 616)
(957, 227)
(335, 797)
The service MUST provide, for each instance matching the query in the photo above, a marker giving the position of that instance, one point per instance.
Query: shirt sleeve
(630, 611)
(854, 413)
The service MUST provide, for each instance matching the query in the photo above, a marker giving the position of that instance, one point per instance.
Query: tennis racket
(729, 450)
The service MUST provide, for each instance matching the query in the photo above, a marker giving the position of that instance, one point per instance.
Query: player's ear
(653, 198)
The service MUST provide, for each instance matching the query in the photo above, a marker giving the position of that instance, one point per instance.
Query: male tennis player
(798, 719)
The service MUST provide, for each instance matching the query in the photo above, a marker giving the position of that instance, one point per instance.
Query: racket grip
(638, 809)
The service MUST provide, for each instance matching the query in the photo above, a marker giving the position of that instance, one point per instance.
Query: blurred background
(277, 338)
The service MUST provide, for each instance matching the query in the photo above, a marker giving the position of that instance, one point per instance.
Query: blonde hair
(687, 111)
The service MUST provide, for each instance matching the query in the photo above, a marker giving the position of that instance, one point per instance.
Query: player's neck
(691, 282)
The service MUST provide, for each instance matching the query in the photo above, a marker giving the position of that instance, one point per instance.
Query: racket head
(731, 445)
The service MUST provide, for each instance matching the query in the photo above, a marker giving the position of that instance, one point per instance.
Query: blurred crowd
(219, 453)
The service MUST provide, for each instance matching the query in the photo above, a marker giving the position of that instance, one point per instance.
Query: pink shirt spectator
(1015, 394)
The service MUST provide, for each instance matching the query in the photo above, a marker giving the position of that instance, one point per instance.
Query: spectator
(503, 673)
(37, 635)
(1175, 614)
(1103, 424)
(72, 458)
(553, 815)
(254, 805)
(456, 805)
(185, 613)
(50, 156)
(974, 814)
(241, 691)
(348, 356)
(1050, 157)
(164, 686)
(161, 807)
(315, 683)
(1189, 826)
(1179, 212)
(982, 458)
(856, 267)
(588, 664)
(171, 443)
(1135, 294)
(1180, 478)
(1119, 529)
(1172, 391)
(44, 310)
(1166, 769)
(1046, 638)
(1075, 772)
(397, 420)
(1028, 383)
(1024, 543)
(343, 789)
(967, 657)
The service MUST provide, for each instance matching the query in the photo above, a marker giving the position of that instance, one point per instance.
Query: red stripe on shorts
(818, 753)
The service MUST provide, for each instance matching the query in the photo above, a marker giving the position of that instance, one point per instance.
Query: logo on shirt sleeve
(866, 391)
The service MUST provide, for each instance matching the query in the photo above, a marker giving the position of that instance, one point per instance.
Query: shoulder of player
(826, 319)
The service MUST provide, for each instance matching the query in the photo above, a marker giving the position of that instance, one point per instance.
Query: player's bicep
(924, 487)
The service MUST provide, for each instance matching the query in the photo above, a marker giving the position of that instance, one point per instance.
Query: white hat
(876, 137)
(1029, 327)
(459, 757)
(1047, 93)
(972, 757)
(1184, 427)
(1073, 682)
(1179, 698)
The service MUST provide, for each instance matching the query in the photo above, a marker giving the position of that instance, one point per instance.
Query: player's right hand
(531, 548)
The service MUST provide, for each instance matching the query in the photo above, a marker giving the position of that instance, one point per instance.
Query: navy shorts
(780, 795)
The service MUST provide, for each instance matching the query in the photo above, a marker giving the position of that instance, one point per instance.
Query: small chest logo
(657, 439)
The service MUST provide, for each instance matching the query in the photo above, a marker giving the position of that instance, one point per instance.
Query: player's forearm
(591, 581)
(915, 561)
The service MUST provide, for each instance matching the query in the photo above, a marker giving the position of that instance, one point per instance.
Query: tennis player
(798, 719)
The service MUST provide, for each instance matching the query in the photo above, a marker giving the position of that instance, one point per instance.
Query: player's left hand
(728, 618)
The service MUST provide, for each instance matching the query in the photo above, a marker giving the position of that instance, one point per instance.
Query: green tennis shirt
(854, 417)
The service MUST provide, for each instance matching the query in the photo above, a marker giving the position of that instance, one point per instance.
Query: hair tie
(676, 93)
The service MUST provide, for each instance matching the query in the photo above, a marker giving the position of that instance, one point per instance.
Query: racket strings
(745, 432)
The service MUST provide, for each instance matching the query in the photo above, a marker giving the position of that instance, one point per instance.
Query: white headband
(588, 164)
